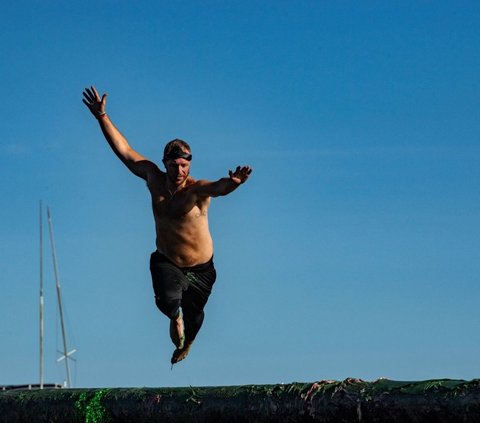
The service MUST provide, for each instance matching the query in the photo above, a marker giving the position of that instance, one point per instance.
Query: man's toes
(179, 355)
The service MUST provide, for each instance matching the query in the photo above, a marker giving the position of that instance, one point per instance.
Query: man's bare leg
(177, 331)
(180, 353)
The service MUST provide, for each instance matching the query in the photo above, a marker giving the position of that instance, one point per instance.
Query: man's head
(177, 149)
(176, 158)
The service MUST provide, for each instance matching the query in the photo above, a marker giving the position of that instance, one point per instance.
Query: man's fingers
(90, 95)
(241, 173)
(87, 96)
(97, 97)
(246, 170)
(88, 100)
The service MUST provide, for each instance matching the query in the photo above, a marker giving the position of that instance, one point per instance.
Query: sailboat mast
(59, 298)
(41, 300)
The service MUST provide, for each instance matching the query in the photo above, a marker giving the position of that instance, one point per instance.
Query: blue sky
(353, 251)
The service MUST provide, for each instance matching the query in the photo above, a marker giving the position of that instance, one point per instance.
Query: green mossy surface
(325, 401)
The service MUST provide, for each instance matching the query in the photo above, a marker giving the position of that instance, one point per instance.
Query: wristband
(100, 115)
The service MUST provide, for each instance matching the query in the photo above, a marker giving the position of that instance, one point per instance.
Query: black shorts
(187, 288)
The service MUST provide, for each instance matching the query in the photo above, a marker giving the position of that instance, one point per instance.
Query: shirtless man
(182, 266)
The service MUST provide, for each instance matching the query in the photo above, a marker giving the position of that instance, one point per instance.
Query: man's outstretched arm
(223, 186)
(137, 164)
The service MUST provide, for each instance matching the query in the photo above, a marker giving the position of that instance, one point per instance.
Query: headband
(177, 153)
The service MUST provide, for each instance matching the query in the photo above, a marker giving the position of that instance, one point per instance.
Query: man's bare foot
(181, 353)
(177, 331)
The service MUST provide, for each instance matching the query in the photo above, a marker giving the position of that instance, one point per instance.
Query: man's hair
(175, 145)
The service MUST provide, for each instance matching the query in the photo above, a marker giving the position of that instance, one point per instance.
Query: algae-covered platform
(351, 400)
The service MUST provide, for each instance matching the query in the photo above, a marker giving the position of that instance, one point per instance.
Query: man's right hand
(95, 104)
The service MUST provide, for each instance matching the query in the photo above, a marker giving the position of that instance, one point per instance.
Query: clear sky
(353, 250)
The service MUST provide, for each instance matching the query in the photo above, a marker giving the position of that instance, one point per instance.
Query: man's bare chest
(179, 207)
(178, 204)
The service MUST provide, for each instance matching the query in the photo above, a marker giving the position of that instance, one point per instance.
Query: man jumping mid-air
(182, 266)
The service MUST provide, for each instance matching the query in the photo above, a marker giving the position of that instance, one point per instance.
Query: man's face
(177, 170)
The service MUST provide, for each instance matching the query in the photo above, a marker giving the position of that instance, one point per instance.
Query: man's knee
(170, 308)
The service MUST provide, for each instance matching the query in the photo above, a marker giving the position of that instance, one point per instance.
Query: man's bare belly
(190, 260)
(186, 252)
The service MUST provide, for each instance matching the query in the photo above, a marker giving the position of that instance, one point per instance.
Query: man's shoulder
(155, 177)
(198, 182)
(196, 185)
(191, 181)
(199, 189)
